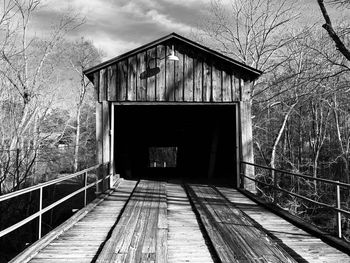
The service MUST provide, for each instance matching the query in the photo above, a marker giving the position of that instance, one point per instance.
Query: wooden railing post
(241, 171)
(100, 175)
(339, 230)
(40, 208)
(85, 191)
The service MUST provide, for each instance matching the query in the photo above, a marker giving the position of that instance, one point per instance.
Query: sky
(117, 26)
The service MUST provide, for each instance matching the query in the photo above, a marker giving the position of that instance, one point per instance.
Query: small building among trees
(174, 108)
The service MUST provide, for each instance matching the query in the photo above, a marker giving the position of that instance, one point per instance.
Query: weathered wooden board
(235, 236)
(141, 79)
(179, 77)
(207, 82)
(151, 80)
(305, 247)
(170, 76)
(188, 78)
(135, 235)
(198, 79)
(112, 82)
(226, 87)
(217, 85)
(160, 77)
(185, 240)
(132, 78)
(102, 85)
(82, 238)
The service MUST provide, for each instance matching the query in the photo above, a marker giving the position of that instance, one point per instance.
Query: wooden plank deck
(304, 246)
(185, 239)
(82, 241)
(158, 222)
(136, 237)
(235, 236)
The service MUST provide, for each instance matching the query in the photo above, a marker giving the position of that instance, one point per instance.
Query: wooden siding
(150, 76)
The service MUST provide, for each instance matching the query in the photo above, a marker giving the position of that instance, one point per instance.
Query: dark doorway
(191, 142)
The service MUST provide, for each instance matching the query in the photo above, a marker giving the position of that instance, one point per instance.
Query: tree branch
(329, 28)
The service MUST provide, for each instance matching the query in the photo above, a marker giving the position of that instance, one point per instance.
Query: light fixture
(172, 55)
(150, 72)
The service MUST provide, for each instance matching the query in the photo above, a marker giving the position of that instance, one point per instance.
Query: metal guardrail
(41, 186)
(337, 207)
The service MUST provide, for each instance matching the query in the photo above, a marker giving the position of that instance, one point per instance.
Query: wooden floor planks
(234, 235)
(185, 240)
(305, 246)
(139, 236)
(82, 241)
(157, 224)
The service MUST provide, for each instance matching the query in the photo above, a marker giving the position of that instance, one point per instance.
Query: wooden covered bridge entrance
(175, 104)
(173, 124)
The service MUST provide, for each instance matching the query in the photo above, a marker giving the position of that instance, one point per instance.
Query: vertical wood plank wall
(150, 76)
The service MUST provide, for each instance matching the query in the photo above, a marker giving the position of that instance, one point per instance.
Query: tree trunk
(77, 136)
(277, 140)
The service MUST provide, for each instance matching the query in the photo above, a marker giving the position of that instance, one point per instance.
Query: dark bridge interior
(189, 142)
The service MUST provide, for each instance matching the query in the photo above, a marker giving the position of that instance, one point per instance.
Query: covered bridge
(176, 98)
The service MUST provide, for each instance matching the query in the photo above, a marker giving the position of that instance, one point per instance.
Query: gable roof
(254, 73)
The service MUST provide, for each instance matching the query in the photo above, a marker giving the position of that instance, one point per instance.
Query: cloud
(116, 26)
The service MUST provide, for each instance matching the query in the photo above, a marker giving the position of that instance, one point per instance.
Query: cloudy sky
(116, 26)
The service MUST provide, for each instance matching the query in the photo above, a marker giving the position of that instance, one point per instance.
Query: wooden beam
(103, 85)
(99, 133)
(247, 144)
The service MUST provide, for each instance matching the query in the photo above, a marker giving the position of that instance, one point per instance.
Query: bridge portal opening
(188, 142)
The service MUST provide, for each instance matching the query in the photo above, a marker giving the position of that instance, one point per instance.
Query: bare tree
(26, 70)
(82, 55)
(250, 31)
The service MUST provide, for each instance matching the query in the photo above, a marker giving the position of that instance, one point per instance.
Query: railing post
(85, 190)
(339, 230)
(111, 181)
(241, 175)
(99, 186)
(274, 193)
(40, 208)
